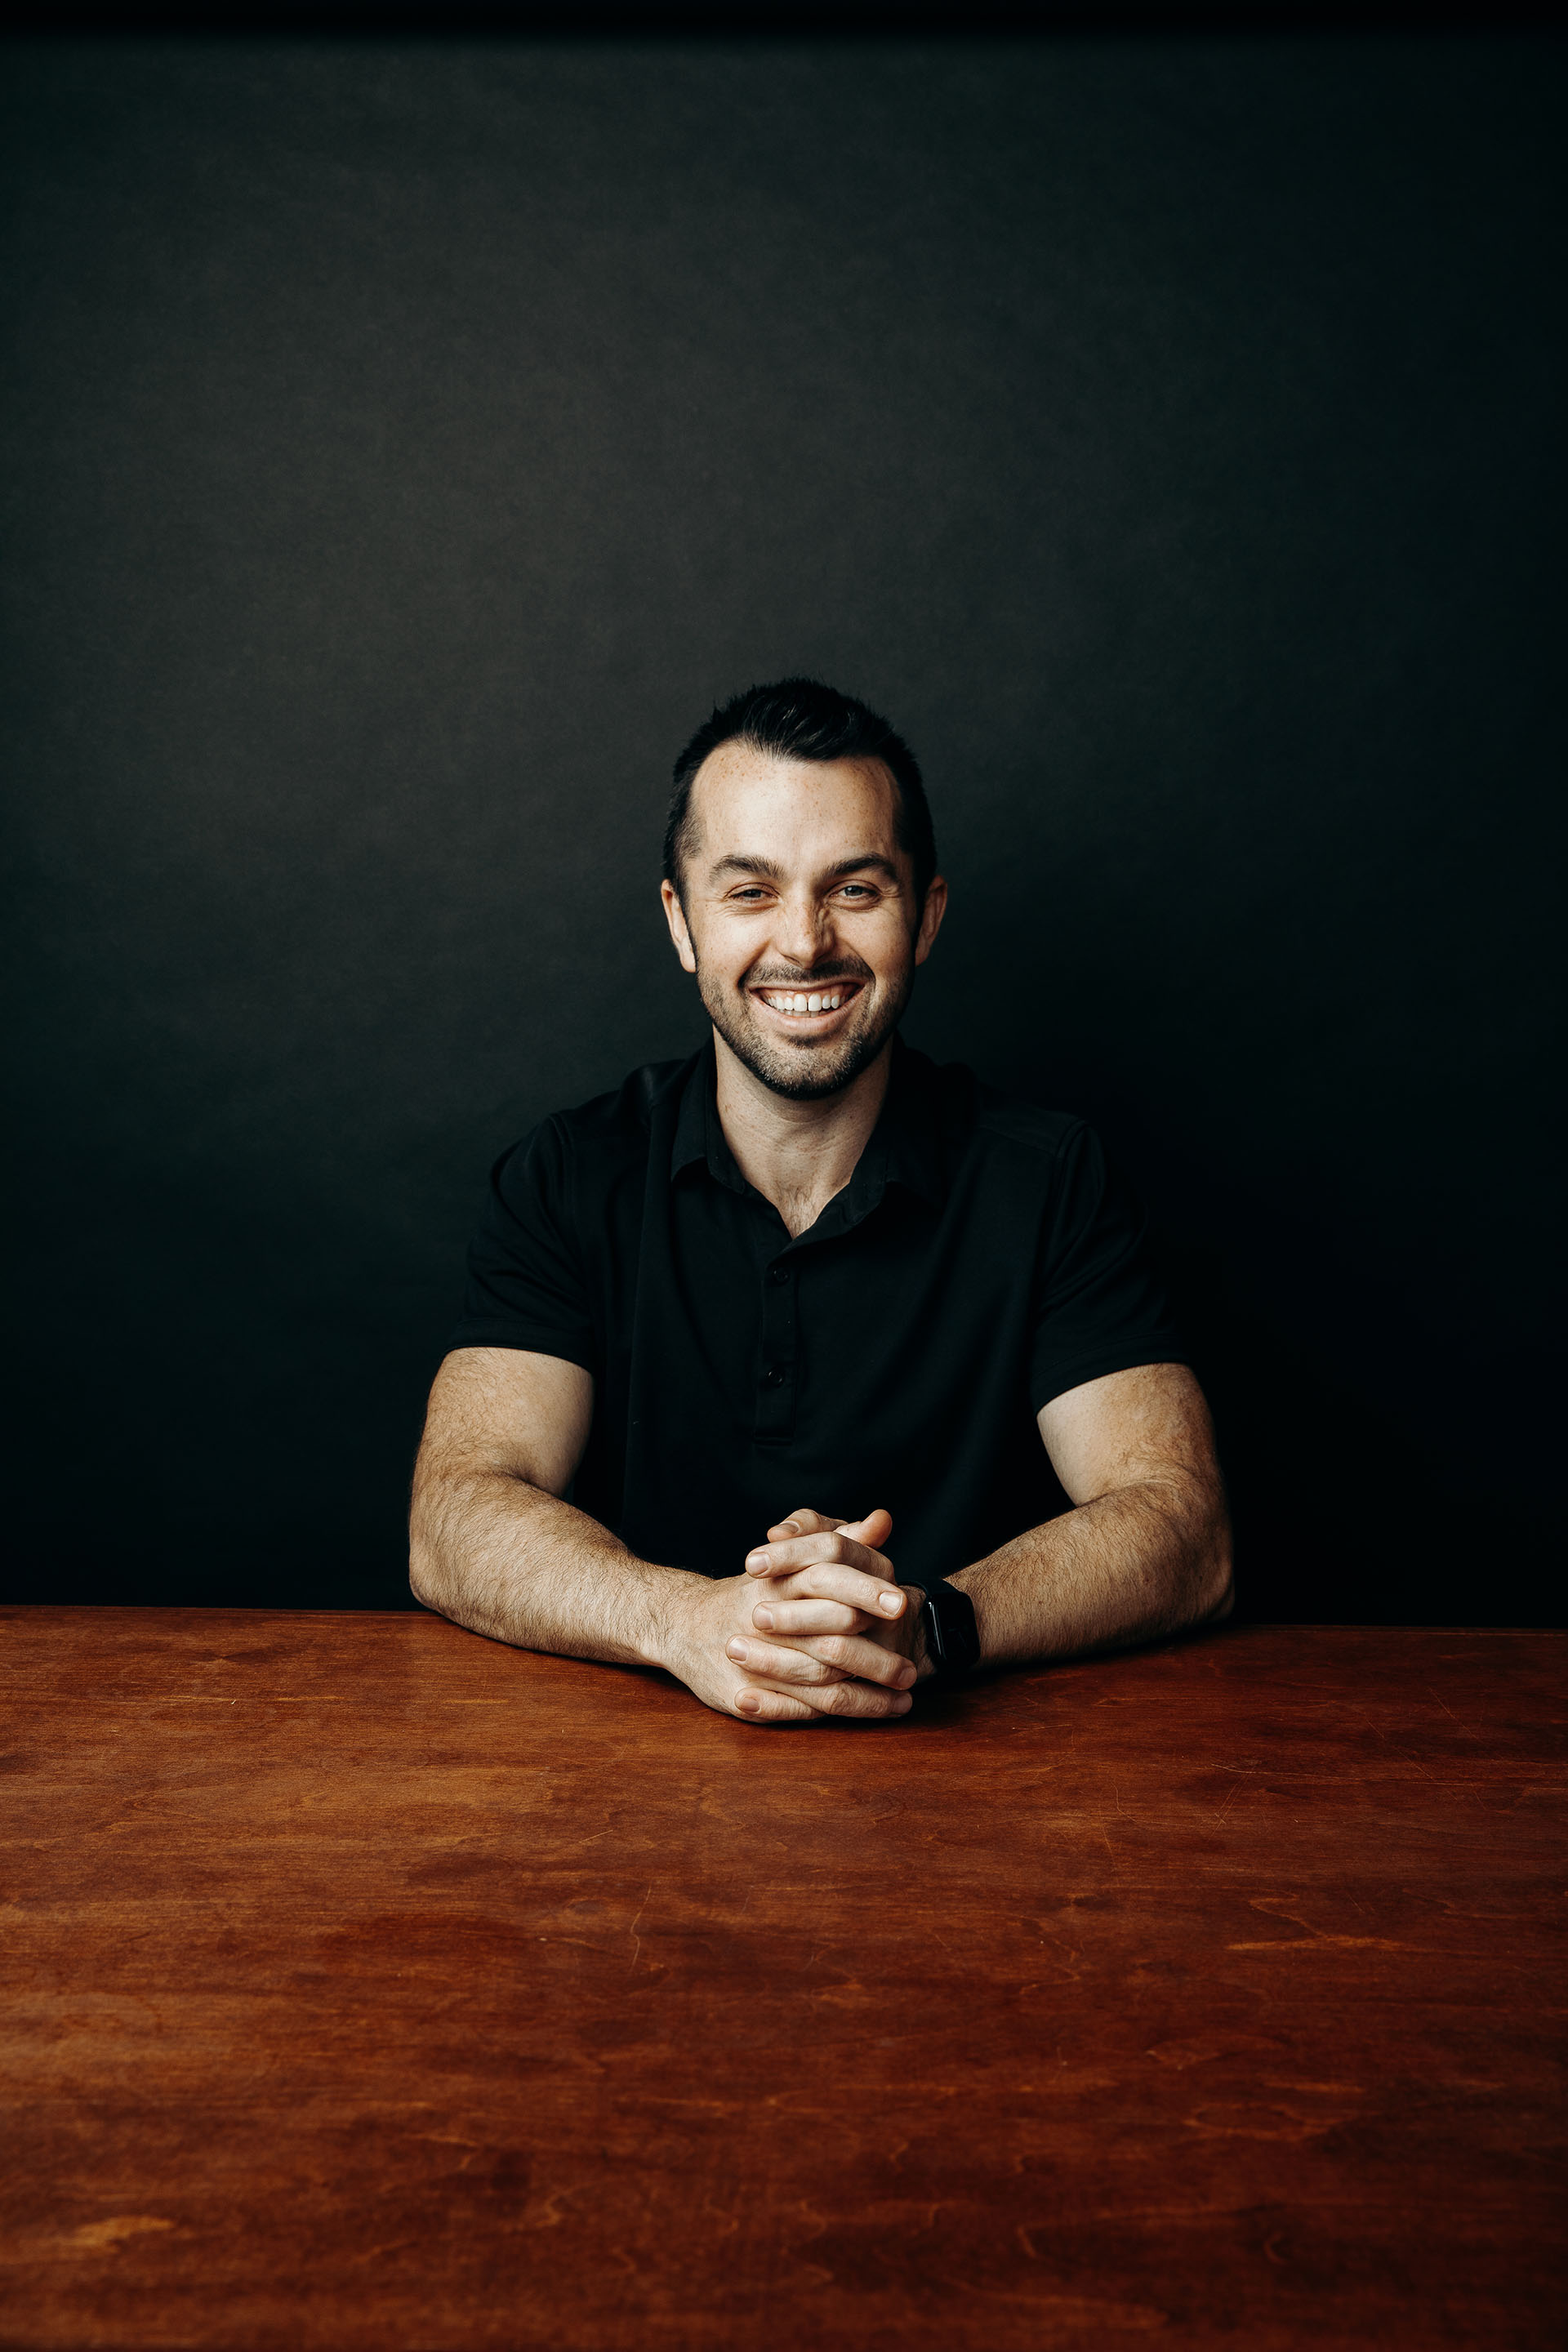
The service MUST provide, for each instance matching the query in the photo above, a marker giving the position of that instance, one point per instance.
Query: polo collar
(911, 1123)
(904, 1147)
(699, 1093)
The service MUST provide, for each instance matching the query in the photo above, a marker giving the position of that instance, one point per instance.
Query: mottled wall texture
(409, 440)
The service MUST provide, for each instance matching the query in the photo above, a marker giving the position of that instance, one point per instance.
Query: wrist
(673, 1596)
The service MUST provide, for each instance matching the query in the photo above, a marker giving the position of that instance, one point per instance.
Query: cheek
(721, 965)
(887, 948)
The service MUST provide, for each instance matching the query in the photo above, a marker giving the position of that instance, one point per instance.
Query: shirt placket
(777, 1371)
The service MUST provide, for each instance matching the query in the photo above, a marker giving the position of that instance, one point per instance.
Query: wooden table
(368, 1984)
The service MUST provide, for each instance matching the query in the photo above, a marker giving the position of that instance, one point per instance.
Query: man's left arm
(1145, 1552)
(1146, 1549)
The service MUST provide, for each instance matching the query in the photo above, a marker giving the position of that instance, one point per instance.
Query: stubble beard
(806, 1072)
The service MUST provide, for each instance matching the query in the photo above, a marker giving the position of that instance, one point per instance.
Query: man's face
(797, 914)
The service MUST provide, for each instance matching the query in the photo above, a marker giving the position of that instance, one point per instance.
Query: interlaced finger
(804, 1523)
(831, 1544)
(759, 1703)
(853, 1702)
(771, 1616)
(876, 1596)
(821, 1658)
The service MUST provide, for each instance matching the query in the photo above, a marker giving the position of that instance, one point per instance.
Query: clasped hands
(819, 1625)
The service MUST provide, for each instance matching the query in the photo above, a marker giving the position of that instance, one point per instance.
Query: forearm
(510, 1560)
(1144, 1560)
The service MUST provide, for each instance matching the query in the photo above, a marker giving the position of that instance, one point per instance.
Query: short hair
(801, 718)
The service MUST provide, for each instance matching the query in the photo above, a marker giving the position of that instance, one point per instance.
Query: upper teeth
(785, 1001)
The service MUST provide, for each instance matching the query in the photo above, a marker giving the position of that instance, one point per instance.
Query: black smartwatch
(952, 1636)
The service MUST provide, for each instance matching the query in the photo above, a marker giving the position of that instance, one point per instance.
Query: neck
(797, 1154)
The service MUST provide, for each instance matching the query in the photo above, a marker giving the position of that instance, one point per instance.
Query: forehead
(746, 803)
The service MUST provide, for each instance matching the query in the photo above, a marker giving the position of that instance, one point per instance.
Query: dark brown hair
(801, 718)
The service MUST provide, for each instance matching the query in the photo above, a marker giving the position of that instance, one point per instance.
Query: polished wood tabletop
(370, 1984)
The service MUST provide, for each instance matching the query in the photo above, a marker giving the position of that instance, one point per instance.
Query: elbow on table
(426, 1581)
(422, 1580)
(436, 1545)
(1217, 1596)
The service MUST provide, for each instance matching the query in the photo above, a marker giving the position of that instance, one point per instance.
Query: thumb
(872, 1531)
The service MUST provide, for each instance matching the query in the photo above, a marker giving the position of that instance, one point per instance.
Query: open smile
(808, 1008)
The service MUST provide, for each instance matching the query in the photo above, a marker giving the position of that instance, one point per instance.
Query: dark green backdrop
(408, 442)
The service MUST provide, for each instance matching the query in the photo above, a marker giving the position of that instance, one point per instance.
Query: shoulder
(985, 1126)
(1012, 1123)
(598, 1138)
(628, 1115)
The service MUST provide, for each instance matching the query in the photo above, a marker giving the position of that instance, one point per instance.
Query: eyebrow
(867, 861)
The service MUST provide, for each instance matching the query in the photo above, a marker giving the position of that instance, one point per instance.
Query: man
(807, 1272)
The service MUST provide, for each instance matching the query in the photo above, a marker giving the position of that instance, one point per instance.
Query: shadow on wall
(1340, 1517)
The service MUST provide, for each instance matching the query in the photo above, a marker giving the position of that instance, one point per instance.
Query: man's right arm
(493, 1545)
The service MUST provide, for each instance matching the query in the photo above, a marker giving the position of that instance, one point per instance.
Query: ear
(675, 915)
(931, 913)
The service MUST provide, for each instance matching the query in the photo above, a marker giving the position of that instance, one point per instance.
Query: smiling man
(804, 1273)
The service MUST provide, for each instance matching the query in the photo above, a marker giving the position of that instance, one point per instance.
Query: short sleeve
(1100, 1306)
(525, 1286)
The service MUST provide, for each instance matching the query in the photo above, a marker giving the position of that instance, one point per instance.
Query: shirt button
(773, 1377)
(781, 1273)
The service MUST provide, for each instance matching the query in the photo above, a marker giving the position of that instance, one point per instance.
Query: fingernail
(793, 1524)
(756, 1560)
(736, 1650)
(748, 1702)
(891, 1601)
(906, 1673)
(902, 1703)
(763, 1619)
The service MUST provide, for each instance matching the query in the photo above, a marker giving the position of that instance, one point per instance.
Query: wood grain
(367, 1984)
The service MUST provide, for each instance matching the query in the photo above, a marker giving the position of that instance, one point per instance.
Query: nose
(805, 932)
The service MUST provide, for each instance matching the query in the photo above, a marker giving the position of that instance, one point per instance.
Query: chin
(807, 1086)
(809, 1073)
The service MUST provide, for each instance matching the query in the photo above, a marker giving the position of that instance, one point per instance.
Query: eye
(856, 890)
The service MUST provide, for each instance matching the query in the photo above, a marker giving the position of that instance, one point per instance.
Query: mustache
(844, 968)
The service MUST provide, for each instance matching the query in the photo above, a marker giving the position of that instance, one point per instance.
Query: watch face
(955, 1640)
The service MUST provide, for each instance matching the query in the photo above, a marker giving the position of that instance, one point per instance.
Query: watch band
(952, 1636)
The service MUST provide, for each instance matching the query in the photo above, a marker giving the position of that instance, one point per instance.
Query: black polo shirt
(980, 1261)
